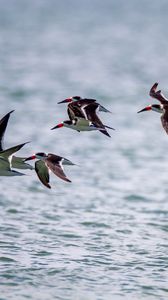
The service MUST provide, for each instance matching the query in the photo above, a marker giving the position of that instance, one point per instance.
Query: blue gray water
(105, 235)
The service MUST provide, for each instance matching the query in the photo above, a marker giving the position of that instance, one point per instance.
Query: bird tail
(67, 162)
(105, 132)
(109, 127)
(102, 108)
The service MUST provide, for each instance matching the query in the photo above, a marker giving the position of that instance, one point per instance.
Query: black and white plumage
(50, 162)
(78, 124)
(160, 108)
(83, 116)
(91, 115)
(88, 110)
(3, 126)
(17, 162)
(73, 99)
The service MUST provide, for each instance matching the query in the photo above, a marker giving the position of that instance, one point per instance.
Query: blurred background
(104, 236)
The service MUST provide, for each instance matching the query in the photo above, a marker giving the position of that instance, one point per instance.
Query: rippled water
(105, 236)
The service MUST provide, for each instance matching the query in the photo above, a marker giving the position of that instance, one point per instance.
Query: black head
(40, 154)
(76, 98)
(68, 122)
(157, 106)
(70, 99)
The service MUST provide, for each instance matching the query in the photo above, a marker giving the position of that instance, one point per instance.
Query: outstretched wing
(164, 118)
(157, 94)
(42, 172)
(3, 125)
(54, 163)
(10, 151)
(92, 116)
(19, 163)
(4, 164)
(75, 111)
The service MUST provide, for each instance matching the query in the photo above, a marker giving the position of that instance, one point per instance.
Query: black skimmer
(5, 161)
(17, 162)
(81, 100)
(48, 162)
(78, 124)
(83, 117)
(160, 108)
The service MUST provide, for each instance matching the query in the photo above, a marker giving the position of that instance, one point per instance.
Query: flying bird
(83, 117)
(78, 124)
(5, 161)
(160, 108)
(81, 100)
(50, 162)
(17, 162)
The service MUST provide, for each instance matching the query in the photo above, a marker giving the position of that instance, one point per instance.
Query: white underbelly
(82, 128)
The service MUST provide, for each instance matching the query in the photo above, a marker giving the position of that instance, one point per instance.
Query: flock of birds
(83, 116)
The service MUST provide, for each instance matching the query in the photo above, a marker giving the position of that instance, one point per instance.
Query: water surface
(105, 235)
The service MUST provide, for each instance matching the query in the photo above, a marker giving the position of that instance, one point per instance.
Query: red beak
(145, 109)
(65, 101)
(58, 126)
(31, 157)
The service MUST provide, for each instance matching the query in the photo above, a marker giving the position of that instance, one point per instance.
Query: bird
(83, 117)
(5, 161)
(81, 100)
(160, 108)
(17, 162)
(79, 124)
(80, 107)
(50, 162)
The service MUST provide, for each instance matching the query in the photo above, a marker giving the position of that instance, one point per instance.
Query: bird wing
(8, 152)
(42, 172)
(54, 163)
(87, 101)
(164, 118)
(4, 164)
(92, 116)
(3, 125)
(60, 159)
(158, 94)
(75, 111)
(19, 163)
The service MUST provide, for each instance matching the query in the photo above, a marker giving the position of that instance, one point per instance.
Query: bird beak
(58, 126)
(31, 157)
(145, 109)
(65, 101)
